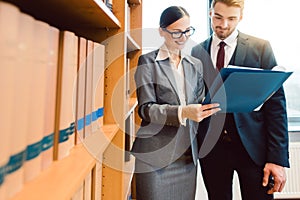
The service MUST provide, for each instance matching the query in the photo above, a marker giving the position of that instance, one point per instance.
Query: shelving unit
(131, 106)
(128, 175)
(131, 44)
(58, 181)
(76, 16)
(134, 2)
(93, 20)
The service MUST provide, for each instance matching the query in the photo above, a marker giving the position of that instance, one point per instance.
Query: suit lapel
(188, 80)
(168, 72)
(241, 49)
(209, 70)
(207, 44)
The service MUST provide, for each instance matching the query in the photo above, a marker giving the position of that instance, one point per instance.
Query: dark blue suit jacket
(263, 133)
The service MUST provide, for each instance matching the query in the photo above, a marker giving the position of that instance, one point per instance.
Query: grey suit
(161, 140)
(262, 134)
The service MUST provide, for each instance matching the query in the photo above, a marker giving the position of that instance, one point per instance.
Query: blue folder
(244, 89)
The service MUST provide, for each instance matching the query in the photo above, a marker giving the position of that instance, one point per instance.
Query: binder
(49, 117)
(88, 109)
(242, 89)
(98, 179)
(21, 101)
(81, 76)
(98, 86)
(9, 29)
(37, 106)
(78, 195)
(69, 45)
(88, 89)
(87, 186)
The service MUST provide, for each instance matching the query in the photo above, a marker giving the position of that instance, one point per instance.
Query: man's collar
(229, 40)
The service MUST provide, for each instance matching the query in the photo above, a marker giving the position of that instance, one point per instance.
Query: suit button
(225, 136)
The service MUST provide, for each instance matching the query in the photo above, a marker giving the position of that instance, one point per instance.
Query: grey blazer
(161, 139)
(263, 133)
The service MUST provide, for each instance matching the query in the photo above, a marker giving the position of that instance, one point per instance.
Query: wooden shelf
(99, 140)
(75, 15)
(110, 131)
(132, 45)
(62, 179)
(131, 106)
(128, 174)
(134, 2)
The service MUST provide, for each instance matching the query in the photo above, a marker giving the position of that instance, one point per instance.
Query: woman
(170, 89)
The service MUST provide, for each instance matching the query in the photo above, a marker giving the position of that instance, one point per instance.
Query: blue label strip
(47, 142)
(100, 112)
(88, 119)
(33, 150)
(15, 162)
(2, 174)
(64, 135)
(80, 124)
(94, 116)
(72, 128)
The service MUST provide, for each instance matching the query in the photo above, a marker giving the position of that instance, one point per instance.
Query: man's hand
(198, 112)
(278, 174)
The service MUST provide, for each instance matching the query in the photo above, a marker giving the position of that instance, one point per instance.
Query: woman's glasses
(178, 34)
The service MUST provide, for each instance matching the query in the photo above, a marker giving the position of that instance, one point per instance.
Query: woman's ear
(160, 31)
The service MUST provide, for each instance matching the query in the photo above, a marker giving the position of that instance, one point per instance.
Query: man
(253, 144)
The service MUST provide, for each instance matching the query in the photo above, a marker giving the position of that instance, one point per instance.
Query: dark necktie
(221, 56)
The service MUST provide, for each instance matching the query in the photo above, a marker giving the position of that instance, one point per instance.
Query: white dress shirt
(230, 46)
(178, 73)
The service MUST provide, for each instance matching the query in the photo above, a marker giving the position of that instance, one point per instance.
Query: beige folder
(37, 100)
(8, 52)
(98, 85)
(68, 92)
(89, 87)
(49, 117)
(80, 105)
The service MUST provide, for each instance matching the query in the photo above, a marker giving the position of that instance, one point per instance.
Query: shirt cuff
(181, 120)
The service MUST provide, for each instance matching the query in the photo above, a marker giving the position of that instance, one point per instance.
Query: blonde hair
(235, 3)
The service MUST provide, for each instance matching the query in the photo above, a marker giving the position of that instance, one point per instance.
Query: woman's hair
(235, 3)
(171, 15)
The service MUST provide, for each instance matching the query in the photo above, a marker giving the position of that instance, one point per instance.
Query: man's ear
(241, 17)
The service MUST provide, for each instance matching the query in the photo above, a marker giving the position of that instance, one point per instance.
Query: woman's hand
(197, 112)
